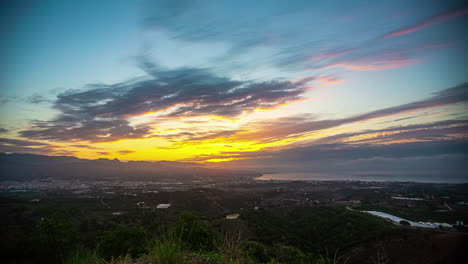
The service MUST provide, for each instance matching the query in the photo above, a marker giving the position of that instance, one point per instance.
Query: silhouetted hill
(28, 166)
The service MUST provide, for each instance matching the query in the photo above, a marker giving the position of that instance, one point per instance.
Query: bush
(290, 255)
(84, 256)
(196, 234)
(122, 241)
(168, 250)
(255, 251)
(209, 257)
(229, 244)
(53, 238)
(405, 223)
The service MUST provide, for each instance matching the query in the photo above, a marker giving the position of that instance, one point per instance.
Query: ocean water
(378, 178)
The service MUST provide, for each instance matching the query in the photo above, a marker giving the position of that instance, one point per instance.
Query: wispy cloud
(332, 54)
(302, 156)
(376, 65)
(436, 149)
(440, 18)
(20, 142)
(369, 58)
(328, 80)
(277, 129)
(125, 152)
(9, 145)
(69, 128)
(426, 158)
(84, 146)
(309, 129)
(37, 99)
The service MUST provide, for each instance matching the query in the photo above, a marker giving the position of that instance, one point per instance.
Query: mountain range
(23, 167)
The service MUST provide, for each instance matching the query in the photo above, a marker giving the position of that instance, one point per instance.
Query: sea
(375, 178)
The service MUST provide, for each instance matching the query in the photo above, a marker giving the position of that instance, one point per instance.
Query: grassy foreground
(190, 241)
(171, 249)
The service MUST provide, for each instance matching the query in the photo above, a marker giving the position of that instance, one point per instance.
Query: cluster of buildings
(143, 205)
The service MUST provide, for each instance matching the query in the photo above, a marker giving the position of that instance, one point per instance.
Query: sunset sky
(367, 86)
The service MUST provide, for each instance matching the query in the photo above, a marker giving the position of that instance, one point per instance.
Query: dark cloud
(125, 152)
(437, 19)
(19, 142)
(210, 135)
(440, 159)
(63, 152)
(178, 136)
(37, 99)
(286, 127)
(84, 146)
(20, 149)
(100, 112)
(3, 130)
(457, 94)
(67, 128)
(185, 137)
(103, 153)
(400, 158)
(436, 149)
(8, 145)
(366, 151)
(418, 140)
(420, 132)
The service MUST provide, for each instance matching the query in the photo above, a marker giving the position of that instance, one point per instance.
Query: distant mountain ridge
(21, 167)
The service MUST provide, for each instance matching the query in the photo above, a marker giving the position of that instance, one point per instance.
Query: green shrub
(168, 250)
(255, 251)
(273, 261)
(120, 260)
(290, 255)
(405, 223)
(196, 234)
(122, 240)
(229, 244)
(84, 256)
(54, 238)
(209, 257)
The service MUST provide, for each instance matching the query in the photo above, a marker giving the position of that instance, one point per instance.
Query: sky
(328, 87)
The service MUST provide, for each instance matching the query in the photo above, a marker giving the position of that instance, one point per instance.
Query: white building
(232, 216)
(163, 206)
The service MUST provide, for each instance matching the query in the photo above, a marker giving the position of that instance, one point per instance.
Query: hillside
(23, 167)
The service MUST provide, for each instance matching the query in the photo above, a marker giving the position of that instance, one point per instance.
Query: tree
(290, 255)
(123, 240)
(405, 223)
(256, 251)
(54, 237)
(196, 234)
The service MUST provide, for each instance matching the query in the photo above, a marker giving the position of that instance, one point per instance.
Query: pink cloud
(431, 21)
(324, 80)
(382, 64)
(328, 80)
(330, 54)
(303, 81)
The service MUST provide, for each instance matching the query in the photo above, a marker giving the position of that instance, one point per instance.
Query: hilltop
(24, 167)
